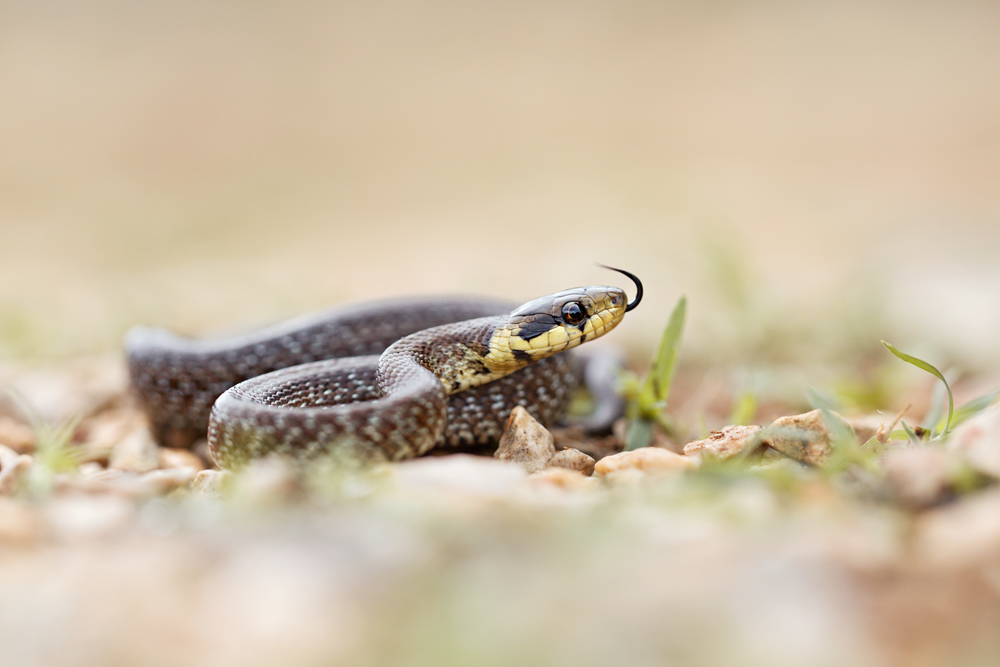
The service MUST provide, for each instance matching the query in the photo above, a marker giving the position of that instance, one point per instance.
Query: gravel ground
(141, 555)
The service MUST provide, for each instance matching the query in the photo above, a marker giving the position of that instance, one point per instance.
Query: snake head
(554, 323)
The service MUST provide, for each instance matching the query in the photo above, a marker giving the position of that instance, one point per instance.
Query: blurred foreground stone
(564, 478)
(645, 460)
(979, 441)
(141, 556)
(459, 475)
(918, 475)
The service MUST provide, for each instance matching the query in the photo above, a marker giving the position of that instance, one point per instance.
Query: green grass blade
(923, 365)
(935, 414)
(661, 373)
(818, 400)
(640, 434)
(968, 410)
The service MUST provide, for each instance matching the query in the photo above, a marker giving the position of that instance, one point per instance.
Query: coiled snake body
(451, 372)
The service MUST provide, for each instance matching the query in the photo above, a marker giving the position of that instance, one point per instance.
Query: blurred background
(814, 176)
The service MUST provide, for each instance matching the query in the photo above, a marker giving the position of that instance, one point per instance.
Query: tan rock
(125, 484)
(918, 476)
(573, 459)
(14, 469)
(137, 452)
(115, 482)
(106, 430)
(647, 459)
(211, 482)
(171, 457)
(979, 441)
(525, 441)
(19, 437)
(728, 442)
(160, 482)
(805, 437)
(110, 426)
(564, 478)
(597, 447)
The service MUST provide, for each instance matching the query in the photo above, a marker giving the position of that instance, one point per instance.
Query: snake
(387, 380)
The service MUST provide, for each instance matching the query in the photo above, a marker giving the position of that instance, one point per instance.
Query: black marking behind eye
(537, 327)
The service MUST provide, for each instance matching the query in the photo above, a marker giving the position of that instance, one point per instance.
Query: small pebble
(563, 478)
(106, 430)
(211, 482)
(728, 442)
(918, 476)
(806, 437)
(525, 441)
(160, 482)
(19, 437)
(137, 452)
(647, 460)
(171, 457)
(573, 459)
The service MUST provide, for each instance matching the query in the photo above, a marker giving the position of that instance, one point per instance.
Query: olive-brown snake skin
(386, 380)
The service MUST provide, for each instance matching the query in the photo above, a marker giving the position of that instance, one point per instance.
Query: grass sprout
(967, 411)
(54, 448)
(923, 365)
(648, 399)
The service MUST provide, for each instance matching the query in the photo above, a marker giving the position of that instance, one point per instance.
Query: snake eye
(574, 313)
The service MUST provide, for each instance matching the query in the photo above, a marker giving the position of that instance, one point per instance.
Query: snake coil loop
(450, 373)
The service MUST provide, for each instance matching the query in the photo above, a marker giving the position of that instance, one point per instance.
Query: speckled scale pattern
(392, 406)
(178, 379)
(307, 408)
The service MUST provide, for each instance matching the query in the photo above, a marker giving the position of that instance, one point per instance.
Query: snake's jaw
(554, 323)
